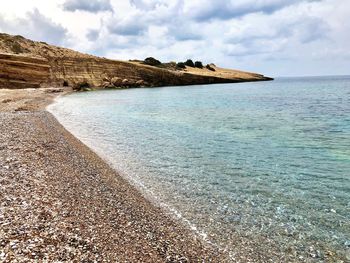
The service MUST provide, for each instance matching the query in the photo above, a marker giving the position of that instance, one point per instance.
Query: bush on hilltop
(210, 67)
(181, 65)
(152, 61)
(189, 63)
(198, 64)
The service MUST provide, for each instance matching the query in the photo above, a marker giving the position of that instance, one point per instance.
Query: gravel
(60, 202)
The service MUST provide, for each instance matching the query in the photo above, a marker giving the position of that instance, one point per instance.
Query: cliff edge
(30, 64)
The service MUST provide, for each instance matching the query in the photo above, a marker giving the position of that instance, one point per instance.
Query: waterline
(257, 166)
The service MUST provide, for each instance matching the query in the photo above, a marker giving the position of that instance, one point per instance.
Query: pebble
(89, 202)
(57, 209)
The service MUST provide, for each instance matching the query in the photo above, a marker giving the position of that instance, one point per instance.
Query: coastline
(61, 201)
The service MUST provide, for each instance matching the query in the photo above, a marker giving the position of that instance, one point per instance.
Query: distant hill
(30, 64)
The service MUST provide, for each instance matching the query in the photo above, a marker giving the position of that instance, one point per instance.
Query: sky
(272, 37)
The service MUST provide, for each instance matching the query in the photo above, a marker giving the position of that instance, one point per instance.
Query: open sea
(259, 169)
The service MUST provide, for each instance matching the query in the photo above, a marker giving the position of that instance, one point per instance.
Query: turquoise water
(260, 169)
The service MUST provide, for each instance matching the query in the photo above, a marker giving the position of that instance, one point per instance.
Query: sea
(258, 169)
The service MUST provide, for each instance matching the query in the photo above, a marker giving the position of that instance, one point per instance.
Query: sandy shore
(60, 202)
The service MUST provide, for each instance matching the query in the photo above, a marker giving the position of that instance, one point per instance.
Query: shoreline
(139, 186)
(61, 201)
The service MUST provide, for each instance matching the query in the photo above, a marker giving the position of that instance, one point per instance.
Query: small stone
(116, 81)
(140, 82)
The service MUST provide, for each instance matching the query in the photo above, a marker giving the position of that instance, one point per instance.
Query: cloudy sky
(273, 37)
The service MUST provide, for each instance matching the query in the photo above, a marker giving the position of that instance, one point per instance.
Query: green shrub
(210, 67)
(198, 64)
(152, 61)
(180, 65)
(189, 63)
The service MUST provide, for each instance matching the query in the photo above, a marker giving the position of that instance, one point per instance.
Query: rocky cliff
(23, 72)
(29, 64)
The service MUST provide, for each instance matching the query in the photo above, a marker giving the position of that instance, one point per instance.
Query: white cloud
(35, 26)
(93, 6)
(275, 37)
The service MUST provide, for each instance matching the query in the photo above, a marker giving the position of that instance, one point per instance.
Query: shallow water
(261, 169)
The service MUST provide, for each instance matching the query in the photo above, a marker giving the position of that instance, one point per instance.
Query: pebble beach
(60, 202)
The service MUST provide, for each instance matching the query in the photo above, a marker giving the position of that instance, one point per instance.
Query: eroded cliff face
(101, 72)
(23, 72)
(29, 64)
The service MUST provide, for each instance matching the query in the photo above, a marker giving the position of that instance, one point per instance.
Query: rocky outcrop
(23, 72)
(25, 63)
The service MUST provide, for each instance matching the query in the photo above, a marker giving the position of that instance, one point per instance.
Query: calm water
(260, 169)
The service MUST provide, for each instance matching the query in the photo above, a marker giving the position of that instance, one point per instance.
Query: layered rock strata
(29, 64)
(23, 72)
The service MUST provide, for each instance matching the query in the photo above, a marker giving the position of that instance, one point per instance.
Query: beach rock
(107, 85)
(116, 81)
(106, 79)
(54, 90)
(140, 83)
(125, 82)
